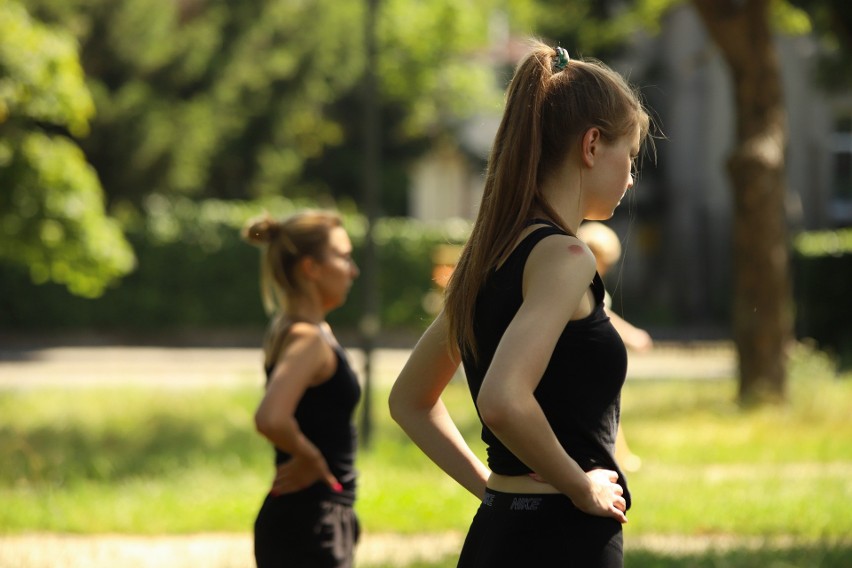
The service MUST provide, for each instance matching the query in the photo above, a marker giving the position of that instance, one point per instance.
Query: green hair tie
(561, 60)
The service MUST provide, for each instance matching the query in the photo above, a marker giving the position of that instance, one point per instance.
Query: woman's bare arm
(556, 283)
(303, 361)
(415, 404)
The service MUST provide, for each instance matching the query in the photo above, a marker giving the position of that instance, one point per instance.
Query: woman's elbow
(261, 423)
(397, 406)
(267, 424)
(495, 410)
(407, 407)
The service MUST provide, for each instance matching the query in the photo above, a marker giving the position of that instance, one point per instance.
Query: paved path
(235, 550)
(202, 550)
(166, 367)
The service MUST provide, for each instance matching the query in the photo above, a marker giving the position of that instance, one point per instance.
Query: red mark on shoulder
(576, 249)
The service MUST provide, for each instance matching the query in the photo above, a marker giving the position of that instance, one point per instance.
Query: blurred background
(137, 137)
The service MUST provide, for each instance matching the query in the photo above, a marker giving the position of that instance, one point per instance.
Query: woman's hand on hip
(606, 497)
(300, 473)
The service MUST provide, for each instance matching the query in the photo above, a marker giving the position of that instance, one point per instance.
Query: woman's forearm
(415, 404)
(286, 435)
(521, 426)
(435, 433)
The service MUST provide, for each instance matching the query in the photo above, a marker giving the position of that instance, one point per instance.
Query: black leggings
(543, 531)
(295, 532)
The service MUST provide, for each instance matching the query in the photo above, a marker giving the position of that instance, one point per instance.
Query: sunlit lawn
(131, 460)
(817, 555)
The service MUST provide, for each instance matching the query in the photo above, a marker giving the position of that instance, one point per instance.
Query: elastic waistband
(525, 502)
(316, 493)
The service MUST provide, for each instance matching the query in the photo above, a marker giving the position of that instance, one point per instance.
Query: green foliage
(598, 29)
(40, 74)
(51, 206)
(822, 265)
(790, 19)
(832, 22)
(53, 217)
(405, 249)
(256, 98)
(195, 272)
(434, 59)
(816, 244)
(215, 98)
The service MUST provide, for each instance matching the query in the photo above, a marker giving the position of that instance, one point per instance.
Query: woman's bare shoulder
(562, 256)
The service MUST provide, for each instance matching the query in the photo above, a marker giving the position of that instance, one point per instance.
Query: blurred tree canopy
(240, 100)
(52, 216)
(208, 99)
(213, 98)
(217, 99)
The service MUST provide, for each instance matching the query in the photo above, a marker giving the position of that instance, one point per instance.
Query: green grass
(129, 460)
(711, 467)
(132, 460)
(816, 555)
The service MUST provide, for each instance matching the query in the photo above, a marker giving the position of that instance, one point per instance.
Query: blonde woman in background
(307, 519)
(604, 244)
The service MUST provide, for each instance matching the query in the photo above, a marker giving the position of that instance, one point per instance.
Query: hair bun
(262, 230)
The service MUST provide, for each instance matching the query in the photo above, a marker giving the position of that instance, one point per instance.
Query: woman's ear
(308, 266)
(589, 146)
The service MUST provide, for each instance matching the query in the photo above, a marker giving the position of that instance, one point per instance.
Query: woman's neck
(303, 308)
(563, 191)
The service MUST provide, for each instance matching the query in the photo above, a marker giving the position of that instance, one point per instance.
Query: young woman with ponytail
(307, 520)
(524, 315)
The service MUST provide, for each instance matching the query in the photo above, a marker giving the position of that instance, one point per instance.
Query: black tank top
(580, 391)
(324, 415)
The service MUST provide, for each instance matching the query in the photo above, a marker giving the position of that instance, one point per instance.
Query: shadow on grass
(161, 443)
(817, 555)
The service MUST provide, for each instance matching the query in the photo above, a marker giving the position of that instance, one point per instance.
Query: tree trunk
(762, 318)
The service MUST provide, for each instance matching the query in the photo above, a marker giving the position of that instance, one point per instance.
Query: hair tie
(561, 60)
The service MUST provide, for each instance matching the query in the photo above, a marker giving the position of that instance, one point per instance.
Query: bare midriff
(518, 484)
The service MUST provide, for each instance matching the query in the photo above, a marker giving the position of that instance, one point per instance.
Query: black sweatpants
(294, 532)
(543, 531)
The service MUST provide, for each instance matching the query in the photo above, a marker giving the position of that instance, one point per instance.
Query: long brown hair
(284, 243)
(547, 111)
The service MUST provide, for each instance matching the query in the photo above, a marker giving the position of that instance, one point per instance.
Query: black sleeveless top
(580, 391)
(324, 415)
